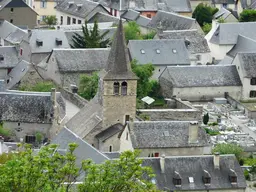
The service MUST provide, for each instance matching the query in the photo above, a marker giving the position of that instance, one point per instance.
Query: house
(197, 173)
(223, 36)
(18, 13)
(10, 34)
(171, 138)
(246, 67)
(195, 42)
(64, 66)
(226, 15)
(160, 53)
(201, 83)
(77, 12)
(167, 21)
(26, 113)
(39, 44)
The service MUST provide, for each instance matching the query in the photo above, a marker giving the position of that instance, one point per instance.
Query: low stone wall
(73, 98)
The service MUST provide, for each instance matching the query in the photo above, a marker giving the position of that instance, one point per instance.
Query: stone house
(199, 51)
(201, 83)
(226, 15)
(197, 173)
(18, 13)
(64, 66)
(160, 53)
(77, 12)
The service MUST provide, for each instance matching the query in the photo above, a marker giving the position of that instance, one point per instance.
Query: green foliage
(88, 85)
(4, 132)
(5, 157)
(149, 35)
(50, 20)
(221, 20)
(211, 132)
(39, 137)
(203, 13)
(145, 117)
(213, 124)
(206, 118)
(248, 15)
(246, 174)
(45, 86)
(125, 174)
(249, 161)
(91, 38)
(206, 28)
(228, 148)
(241, 162)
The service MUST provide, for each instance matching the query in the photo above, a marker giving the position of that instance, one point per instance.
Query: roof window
(157, 51)
(1, 57)
(58, 41)
(191, 179)
(142, 51)
(177, 179)
(39, 42)
(174, 51)
(206, 178)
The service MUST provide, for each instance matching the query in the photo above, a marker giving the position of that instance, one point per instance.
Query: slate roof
(224, 1)
(171, 21)
(81, 60)
(10, 57)
(112, 155)
(132, 15)
(110, 131)
(150, 134)
(244, 44)
(197, 42)
(194, 166)
(179, 5)
(103, 17)
(202, 76)
(118, 64)
(248, 64)
(48, 37)
(86, 8)
(227, 33)
(222, 13)
(159, 52)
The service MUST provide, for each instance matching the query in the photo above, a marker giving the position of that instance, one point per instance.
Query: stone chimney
(162, 163)
(193, 132)
(216, 160)
(1, 145)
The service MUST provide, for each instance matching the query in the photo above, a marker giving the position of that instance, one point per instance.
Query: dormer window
(58, 41)
(253, 81)
(232, 176)
(116, 88)
(39, 42)
(1, 58)
(177, 179)
(79, 6)
(70, 3)
(206, 178)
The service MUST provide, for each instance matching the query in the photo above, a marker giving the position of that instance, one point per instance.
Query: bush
(248, 15)
(207, 28)
(228, 148)
(204, 13)
(211, 132)
(246, 175)
(206, 118)
(4, 132)
(44, 86)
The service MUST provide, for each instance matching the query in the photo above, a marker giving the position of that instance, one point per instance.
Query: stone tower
(119, 84)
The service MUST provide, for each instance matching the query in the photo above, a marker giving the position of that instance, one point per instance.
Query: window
(61, 20)
(74, 21)
(116, 88)
(1, 57)
(127, 136)
(124, 88)
(176, 181)
(18, 124)
(207, 180)
(21, 51)
(68, 20)
(149, 15)
(58, 41)
(233, 179)
(110, 148)
(253, 81)
(43, 17)
(252, 93)
(30, 139)
(39, 42)
(79, 22)
(127, 118)
(43, 4)
(11, 10)
(11, 21)
(156, 154)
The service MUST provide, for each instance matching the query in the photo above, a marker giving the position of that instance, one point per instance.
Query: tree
(228, 148)
(204, 13)
(90, 38)
(50, 20)
(206, 118)
(43, 86)
(248, 15)
(88, 85)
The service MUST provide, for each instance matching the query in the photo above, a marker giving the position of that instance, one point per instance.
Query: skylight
(174, 50)
(142, 51)
(191, 179)
(157, 51)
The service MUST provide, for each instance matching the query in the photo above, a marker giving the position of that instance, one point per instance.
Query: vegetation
(206, 118)
(88, 85)
(228, 148)
(248, 15)
(213, 124)
(4, 132)
(50, 20)
(5, 157)
(211, 132)
(48, 170)
(91, 38)
(45, 86)
(206, 28)
(203, 13)
(39, 137)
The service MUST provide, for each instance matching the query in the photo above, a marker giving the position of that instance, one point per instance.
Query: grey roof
(151, 134)
(110, 131)
(222, 13)
(112, 155)
(224, 1)
(244, 44)
(179, 5)
(227, 60)
(81, 60)
(171, 21)
(132, 15)
(16, 37)
(48, 37)
(17, 73)
(86, 8)
(10, 57)
(83, 151)
(202, 76)
(118, 64)
(227, 33)
(248, 63)
(195, 166)
(197, 42)
(159, 52)
(3, 3)
(143, 21)
(2, 85)
(103, 17)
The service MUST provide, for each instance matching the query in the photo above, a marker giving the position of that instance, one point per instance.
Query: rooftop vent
(142, 51)
(39, 42)
(58, 41)
(1, 57)
(174, 51)
(157, 51)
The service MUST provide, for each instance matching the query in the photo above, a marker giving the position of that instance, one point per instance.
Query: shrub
(44, 86)
(206, 118)
(246, 175)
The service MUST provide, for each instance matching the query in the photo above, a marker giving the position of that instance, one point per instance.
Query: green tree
(39, 137)
(88, 85)
(44, 86)
(248, 15)
(207, 27)
(50, 20)
(206, 118)
(91, 38)
(228, 148)
(204, 13)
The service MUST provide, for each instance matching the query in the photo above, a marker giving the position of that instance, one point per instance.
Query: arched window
(116, 88)
(124, 88)
(110, 148)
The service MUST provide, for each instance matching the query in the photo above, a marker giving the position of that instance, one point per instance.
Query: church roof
(118, 64)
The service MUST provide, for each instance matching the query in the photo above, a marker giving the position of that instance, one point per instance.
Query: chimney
(193, 132)
(162, 162)
(216, 160)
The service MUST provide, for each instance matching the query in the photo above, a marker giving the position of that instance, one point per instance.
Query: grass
(211, 132)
